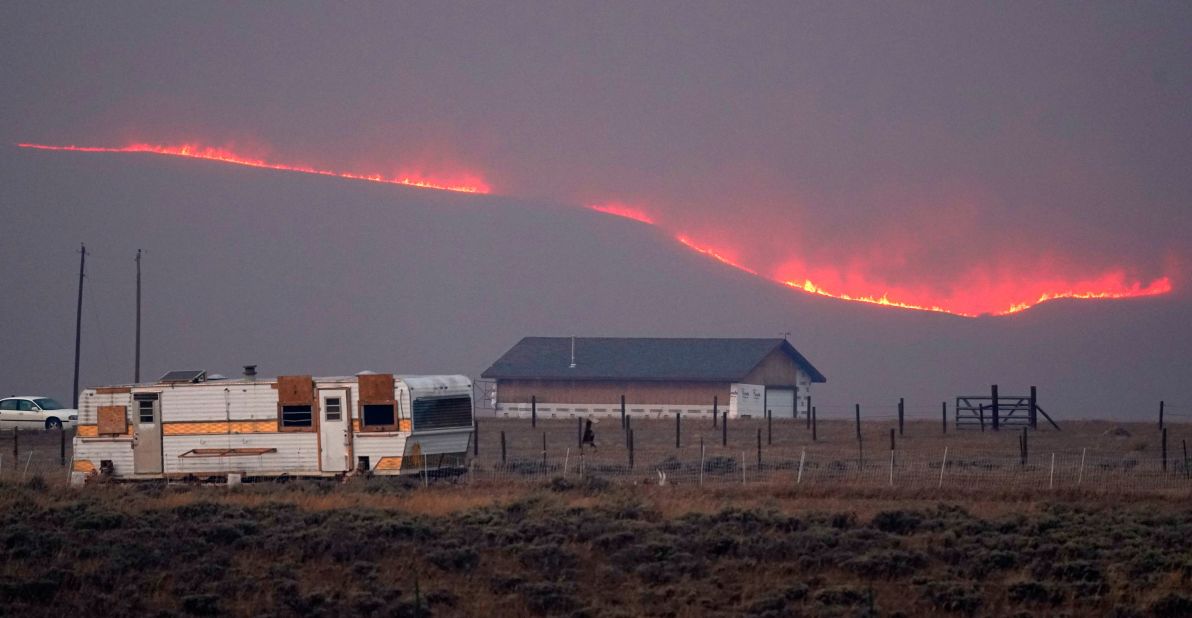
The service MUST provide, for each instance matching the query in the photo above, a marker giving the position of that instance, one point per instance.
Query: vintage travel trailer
(189, 425)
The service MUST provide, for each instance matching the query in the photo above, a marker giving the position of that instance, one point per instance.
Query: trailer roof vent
(189, 376)
(216, 376)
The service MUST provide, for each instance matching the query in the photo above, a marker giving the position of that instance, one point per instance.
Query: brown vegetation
(390, 547)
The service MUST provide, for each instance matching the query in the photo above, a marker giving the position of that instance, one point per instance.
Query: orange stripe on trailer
(218, 427)
(87, 431)
(83, 465)
(388, 463)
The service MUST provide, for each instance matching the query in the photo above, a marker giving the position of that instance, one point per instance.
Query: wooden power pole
(136, 371)
(79, 324)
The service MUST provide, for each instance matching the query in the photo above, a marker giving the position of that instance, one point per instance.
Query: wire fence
(834, 469)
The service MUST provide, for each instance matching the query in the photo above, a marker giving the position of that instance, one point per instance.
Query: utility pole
(136, 371)
(79, 324)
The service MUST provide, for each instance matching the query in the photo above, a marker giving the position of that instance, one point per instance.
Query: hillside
(309, 274)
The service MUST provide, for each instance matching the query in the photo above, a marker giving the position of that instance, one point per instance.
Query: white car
(35, 413)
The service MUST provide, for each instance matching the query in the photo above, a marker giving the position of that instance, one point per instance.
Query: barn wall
(605, 392)
(776, 369)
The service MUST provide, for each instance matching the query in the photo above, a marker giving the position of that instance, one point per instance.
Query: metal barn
(583, 376)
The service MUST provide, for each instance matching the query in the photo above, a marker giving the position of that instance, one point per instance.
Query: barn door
(147, 448)
(781, 402)
(333, 430)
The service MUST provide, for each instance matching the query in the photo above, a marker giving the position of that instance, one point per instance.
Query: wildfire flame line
(1157, 287)
(193, 151)
(207, 153)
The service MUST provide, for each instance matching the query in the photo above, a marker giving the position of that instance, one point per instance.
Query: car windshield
(47, 404)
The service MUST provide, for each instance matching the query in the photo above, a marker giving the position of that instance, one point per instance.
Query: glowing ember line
(883, 300)
(713, 254)
(1156, 288)
(207, 153)
(621, 210)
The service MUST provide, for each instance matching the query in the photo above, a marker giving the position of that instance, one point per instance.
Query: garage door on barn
(780, 402)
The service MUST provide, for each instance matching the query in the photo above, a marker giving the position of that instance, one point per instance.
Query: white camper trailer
(187, 425)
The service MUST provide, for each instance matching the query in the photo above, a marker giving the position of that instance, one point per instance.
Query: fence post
(475, 438)
(16, 456)
(566, 459)
(533, 410)
(769, 428)
(1034, 408)
(759, 448)
(27, 461)
(1185, 443)
(901, 409)
(628, 429)
(724, 429)
(944, 416)
(502, 447)
(858, 408)
(1161, 415)
(1051, 477)
(630, 449)
(1080, 476)
(891, 465)
(1165, 449)
(995, 407)
(62, 444)
(623, 413)
(891, 439)
(943, 466)
(813, 424)
(715, 409)
(802, 457)
(678, 428)
(701, 461)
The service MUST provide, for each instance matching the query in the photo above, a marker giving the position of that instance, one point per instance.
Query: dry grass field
(389, 547)
(1085, 455)
(531, 541)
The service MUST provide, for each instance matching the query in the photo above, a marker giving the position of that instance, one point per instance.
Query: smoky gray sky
(956, 153)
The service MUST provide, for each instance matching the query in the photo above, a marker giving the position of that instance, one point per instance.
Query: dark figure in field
(589, 435)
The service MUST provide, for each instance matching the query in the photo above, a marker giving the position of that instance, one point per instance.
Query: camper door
(334, 436)
(147, 448)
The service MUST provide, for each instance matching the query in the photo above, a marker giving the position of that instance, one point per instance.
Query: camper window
(146, 411)
(332, 408)
(379, 415)
(296, 417)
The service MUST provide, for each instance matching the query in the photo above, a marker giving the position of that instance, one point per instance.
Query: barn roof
(625, 358)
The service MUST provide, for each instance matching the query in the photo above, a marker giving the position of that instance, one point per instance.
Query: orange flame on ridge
(207, 153)
(618, 209)
(719, 257)
(1109, 286)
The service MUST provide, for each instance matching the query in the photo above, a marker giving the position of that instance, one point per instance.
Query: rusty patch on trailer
(113, 421)
(295, 390)
(376, 388)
